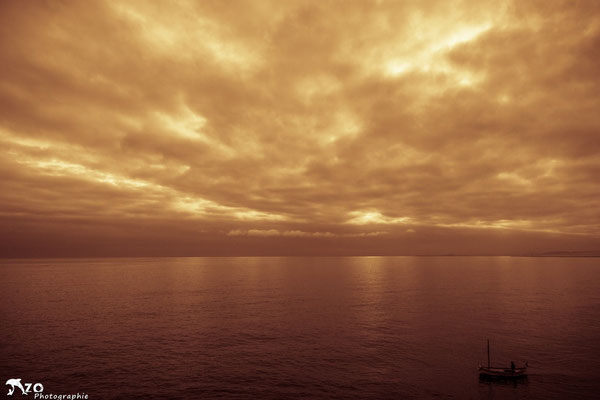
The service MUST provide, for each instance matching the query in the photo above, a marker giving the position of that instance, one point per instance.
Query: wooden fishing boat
(502, 372)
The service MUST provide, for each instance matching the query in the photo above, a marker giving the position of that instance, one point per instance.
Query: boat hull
(499, 372)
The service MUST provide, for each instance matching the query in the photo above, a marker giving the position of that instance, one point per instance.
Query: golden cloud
(319, 123)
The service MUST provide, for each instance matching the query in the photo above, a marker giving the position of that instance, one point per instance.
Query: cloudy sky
(299, 127)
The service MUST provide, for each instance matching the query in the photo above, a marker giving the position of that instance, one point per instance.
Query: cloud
(298, 233)
(301, 121)
(374, 217)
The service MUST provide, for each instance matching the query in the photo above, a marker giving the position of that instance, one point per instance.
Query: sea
(299, 327)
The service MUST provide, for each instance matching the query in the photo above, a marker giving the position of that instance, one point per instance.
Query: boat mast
(488, 353)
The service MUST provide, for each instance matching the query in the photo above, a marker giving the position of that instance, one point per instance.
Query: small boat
(502, 372)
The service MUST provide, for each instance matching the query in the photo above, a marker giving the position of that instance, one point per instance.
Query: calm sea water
(279, 328)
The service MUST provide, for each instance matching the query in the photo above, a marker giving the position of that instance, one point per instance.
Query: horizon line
(538, 255)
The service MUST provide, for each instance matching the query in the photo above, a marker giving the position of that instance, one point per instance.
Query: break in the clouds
(206, 127)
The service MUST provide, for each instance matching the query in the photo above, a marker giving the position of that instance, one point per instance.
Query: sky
(299, 127)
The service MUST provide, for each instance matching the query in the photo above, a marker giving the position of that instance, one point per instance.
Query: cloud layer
(381, 126)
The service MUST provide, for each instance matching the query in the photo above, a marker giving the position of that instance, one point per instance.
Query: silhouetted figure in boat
(512, 366)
